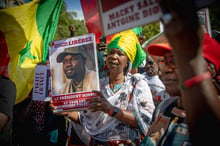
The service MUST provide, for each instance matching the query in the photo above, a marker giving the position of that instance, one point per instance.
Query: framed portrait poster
(74, 72)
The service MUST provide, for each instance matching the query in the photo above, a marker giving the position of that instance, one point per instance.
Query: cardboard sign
(74, 72)
(42, 87)
(117, 16)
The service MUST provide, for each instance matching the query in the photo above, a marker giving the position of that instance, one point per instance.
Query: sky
(75, 5)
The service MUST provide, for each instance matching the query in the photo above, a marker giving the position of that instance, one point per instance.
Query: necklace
(115, 85)
(116, 81)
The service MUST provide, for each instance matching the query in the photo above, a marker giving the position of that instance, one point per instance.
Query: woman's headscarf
(127, 41)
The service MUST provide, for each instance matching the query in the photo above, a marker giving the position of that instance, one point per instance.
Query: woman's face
(116, 61)
(170, 75)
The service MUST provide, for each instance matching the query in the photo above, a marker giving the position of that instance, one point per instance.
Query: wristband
(111, 112)
(195, 80)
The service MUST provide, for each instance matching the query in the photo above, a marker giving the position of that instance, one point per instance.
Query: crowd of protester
(174, 101)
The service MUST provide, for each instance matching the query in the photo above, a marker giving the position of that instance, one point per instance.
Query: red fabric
(108, 5)
(5, 58)
(91, 15)
(211, 50)
(159, 49)
(197, 79)
(111, 112)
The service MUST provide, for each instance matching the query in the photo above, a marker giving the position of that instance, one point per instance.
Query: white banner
(117, 16)
(42, 86)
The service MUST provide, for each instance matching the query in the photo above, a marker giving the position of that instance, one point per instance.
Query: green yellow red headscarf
(127, 41)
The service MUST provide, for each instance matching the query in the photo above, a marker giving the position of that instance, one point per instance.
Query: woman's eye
(120, 54)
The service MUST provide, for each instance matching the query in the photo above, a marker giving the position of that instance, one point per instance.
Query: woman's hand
(52, 107)
(72, 115)
(100, 104)
(102, 46)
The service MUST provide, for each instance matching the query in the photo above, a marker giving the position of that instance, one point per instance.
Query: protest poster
(116, 16)
(74, 72)
(42, 86)
(204, 20)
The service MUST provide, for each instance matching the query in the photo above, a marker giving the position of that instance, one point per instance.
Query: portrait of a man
(78, 76)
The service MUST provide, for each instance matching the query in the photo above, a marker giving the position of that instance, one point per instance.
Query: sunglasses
(165, 62)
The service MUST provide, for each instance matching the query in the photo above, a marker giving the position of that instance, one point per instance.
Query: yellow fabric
(20, 29)
(127, 43)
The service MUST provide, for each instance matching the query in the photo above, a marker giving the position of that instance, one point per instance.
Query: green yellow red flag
(25, 33)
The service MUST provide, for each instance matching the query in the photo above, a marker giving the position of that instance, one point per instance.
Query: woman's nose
(167, 68)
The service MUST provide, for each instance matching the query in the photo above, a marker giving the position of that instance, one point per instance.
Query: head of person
(124, 52)
(151, 66)
(167, 67)
(74, 60)
(211, 53)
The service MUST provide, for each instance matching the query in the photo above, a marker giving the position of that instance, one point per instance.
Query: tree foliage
(214, 13)
(65, 20)
(151, 30)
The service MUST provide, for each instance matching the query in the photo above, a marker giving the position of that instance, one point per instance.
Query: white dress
(157, 88)
(103, 127)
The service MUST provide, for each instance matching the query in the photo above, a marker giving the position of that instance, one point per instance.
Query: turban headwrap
(127, 41)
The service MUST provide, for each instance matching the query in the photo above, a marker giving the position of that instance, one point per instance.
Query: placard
(117, 15)
(74, 72)
(42, 87)
(75, 101)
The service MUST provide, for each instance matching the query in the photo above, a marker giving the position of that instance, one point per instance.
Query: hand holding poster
(74, 71)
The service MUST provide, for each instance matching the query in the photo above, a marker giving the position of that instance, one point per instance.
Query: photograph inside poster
(74, 72)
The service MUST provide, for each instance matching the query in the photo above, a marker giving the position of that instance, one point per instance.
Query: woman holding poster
(124, 110)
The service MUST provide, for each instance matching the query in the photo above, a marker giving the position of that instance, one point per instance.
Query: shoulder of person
(7, 87)
(6, 80)
(64, 86)
(137, 77)
(90, 73)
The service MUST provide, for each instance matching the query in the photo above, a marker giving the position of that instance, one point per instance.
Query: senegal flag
(25, 33)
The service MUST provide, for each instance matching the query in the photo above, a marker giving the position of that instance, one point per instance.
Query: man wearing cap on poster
(79, 78)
